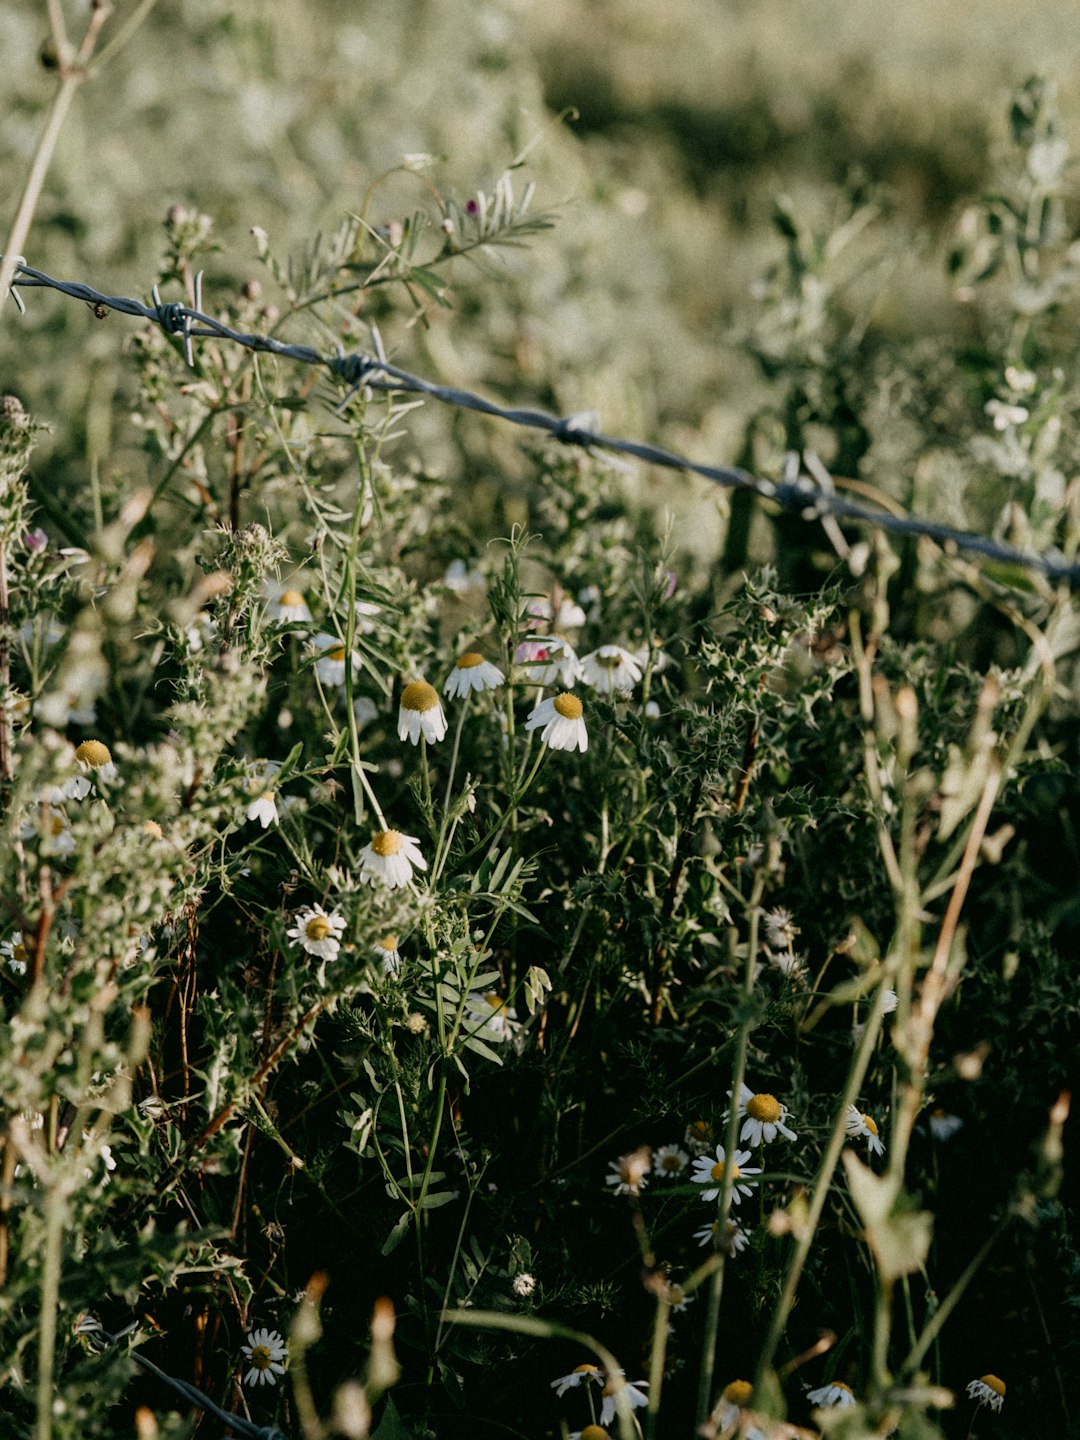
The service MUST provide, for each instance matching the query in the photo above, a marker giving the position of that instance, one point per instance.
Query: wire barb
(813, 497)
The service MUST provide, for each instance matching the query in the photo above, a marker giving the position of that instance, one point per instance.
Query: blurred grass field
(683, 123)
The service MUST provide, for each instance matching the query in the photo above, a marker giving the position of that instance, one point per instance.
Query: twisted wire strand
(239, 1424)
(796, 494)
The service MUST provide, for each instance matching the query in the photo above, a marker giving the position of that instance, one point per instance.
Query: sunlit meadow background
(843, 227)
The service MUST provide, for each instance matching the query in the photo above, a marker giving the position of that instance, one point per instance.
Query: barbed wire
(811, 496)
(238, 1424)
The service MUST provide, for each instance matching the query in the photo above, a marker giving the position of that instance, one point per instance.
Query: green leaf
(397, 1234)
(391, 1426)
(899, 1237)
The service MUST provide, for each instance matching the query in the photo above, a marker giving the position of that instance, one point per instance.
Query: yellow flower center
(993, 1383)
(496, 1004)
(717, 1171)
(388, 942)
(18, 953)
(594, 1432)
(610, 659)
(419, 696)
(317, 928)
(675, 1294)
(569, 707)
(738, 1392)
(701, 1130)
(55, 823)
(764, 1107)
(870, 1124)
(839, 1385)
(470, 660)
(93, 753)
(291, 597)
(151, 827)
(387, 842)
(586, 1370)
(670, 1162)
(260, 1357)
(337, 653)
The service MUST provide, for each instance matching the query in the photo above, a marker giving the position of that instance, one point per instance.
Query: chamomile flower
(710, 1171)
(580, 1375)
(736, 1242)
(330, 661)
(764, 1117)
(591, 1432)
(547, 659)
(988, 1391)
(943, 1126)
(699, 1137)
(265, 1350)
(863, 1127)
(670, 1161)
(390, 859)
(264, 809)
(286, 606)
(499, 1020)
(523, 1284)
(828, 1395)
(629, 1173)
(563, 719)
(387, 951)
(634, 1394)
(734, 1397)
(543, 614)
(472, 672)
(610, 669)
(96, 764)
(13, 950)
(420, 713)
(317, 932)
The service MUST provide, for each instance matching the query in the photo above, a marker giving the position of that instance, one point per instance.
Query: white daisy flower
(700, 1137)
(266, 1350)
(670, 1161)
(523, 1284)
(387, 951)
(420, 713)
(330, 664)
(542, 614)
(609, 669)
(863, 1127)
(14, 952)
(988, 1391)
(734, 1398)
(472, 672)
(709, 1171)
(563, 719)
(365, 612)
(96, 762)
(629, 1172)
(943, 1126)
(580, 1375)
(317, 932)
(737, 1238)
(547, 659)
(390, 859)
(633, 1392)
(287, 606)
(50, 827)
(499, 1020)
(835, 1394)
(264, 809)
(764, 1117)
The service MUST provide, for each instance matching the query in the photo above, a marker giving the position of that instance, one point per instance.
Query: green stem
(50, 1299)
